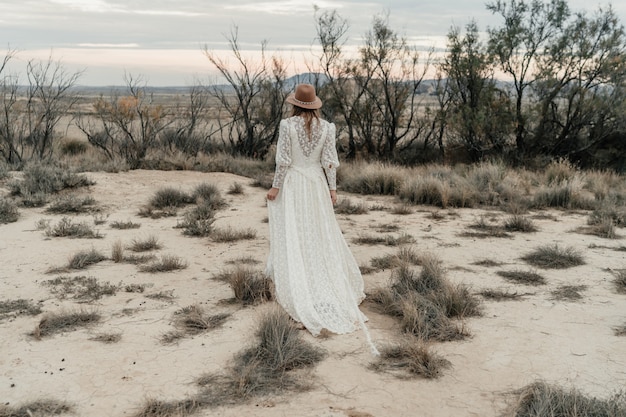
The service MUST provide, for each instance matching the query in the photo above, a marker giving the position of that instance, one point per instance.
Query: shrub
(8, 211)
(389, 240)
(74, 147)
(428, 191)
(72, 204)
(47, 179)
(210, 195)
(107, 337)
(552, 256)
(168, 197)
(199, 221)
(66, 228)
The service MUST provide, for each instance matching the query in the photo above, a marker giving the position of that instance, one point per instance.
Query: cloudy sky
(162, 40)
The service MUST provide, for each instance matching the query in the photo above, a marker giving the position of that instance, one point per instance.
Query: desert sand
(570, 343)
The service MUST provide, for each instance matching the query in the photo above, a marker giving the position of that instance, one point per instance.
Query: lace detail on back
(307, 145)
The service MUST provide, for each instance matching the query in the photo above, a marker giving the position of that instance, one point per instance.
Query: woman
(316, 278)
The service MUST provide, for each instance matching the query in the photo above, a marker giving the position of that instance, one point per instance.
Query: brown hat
(305, 97)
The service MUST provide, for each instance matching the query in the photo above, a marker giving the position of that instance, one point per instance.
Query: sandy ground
(512, 344)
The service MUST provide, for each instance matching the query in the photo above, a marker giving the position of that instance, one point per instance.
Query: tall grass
(8, 211)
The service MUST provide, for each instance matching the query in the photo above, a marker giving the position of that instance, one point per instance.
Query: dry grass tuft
(410, 359)
(199, 221)
(249, 286)
(523, 277)
(19, 307)
(81, 288)
(41, 178)
(276, 363)
(193, 320)
(143, 245)
(620, 280)
(345, 206)
(157, 408)
(620, 330)
(426, 302)
(84, 259)
(66, 228)
(167, 263)
(124, 225)
(487, 263)
(518, 223)
(554, 257)
(500, 295)
(388, 240)
(405, 255)
(64, 321)
(541, 399)
(235, 189)
(402, 210)
(37, 408)
(107, 338)
(209, 195)
(604, 228)
(243, 260)
(568, 292)
(374, 178)
(229, 234)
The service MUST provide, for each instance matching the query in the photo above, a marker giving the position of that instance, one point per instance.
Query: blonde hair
(308, 115)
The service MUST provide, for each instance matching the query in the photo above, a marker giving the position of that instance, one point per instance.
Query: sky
(162, 41)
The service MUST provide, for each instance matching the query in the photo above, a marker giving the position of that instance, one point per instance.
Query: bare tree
(253, 99)
(28, 123)
(391, 73)
(126, 126)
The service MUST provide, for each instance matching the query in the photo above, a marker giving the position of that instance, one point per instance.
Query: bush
(209, 195)
(168, 197)
(47, 179)
(65, 228)
(37, 408)
(249, 286)
(74, 147)
(8, 211)
(72, 204)
(166, 264)
(199, 221)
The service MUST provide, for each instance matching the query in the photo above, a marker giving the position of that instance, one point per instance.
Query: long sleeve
(330, 160)
(283, 154)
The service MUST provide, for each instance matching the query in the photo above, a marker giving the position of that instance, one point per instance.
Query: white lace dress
(316, 278)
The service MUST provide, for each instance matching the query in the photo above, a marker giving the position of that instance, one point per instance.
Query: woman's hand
(272, 193)
(333, 196)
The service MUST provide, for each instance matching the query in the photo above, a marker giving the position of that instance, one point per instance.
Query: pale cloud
(90, 6)
(108, 45)
(283, 7)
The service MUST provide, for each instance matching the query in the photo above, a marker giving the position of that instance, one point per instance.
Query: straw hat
(305, 97)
